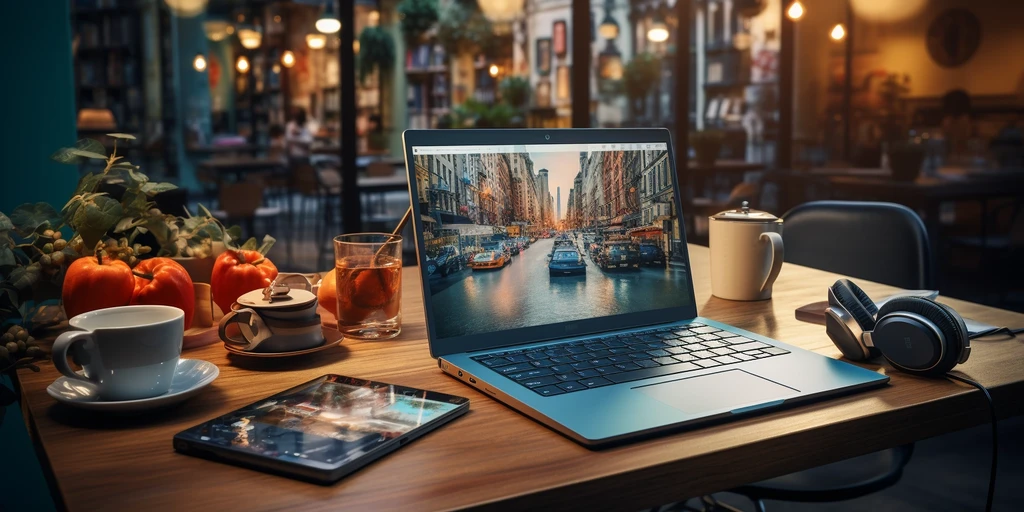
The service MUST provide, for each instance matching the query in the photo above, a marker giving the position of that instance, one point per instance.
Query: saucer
(191, 376)
(331, 338)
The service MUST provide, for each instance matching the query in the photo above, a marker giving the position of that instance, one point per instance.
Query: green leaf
(68, 156)
(231, 234)
(5, 223)
(88, 154)
(27, 217)
(88, 183)
(7, 258)
(205, 212)
(94, 219)
(23, 278)
(153, 189)
(121, 136)
(127, 223)
(268, 242)
(249, 245)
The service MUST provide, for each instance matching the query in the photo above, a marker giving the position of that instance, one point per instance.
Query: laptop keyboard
(613, 359)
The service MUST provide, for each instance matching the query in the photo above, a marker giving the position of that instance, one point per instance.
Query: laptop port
(460, 373)
(472, 380)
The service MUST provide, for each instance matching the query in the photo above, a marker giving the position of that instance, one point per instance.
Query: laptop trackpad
(729, 389)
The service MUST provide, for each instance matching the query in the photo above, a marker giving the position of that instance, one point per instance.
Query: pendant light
(316, 41)
(795, 10)
(838, 32)
(328, 22)
(242, 65)
(658, 31)
(199, 63)
(288, 59)
(609, 28)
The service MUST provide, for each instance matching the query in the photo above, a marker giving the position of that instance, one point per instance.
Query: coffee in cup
(126, 353)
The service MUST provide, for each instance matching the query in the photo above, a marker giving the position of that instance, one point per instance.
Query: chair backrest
(380, 169)
(881, 242)
(305, 179)
(241, 200)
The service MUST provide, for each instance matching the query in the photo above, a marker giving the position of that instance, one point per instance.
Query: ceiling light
(493, 70)
(242, 65)
(838, 32)
(795, 10)
(199, 63)
(328, 22)
(250, 37)
(658, 31)
(288, 58)
(316, 41)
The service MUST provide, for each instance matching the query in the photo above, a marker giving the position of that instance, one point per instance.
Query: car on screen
(618, 256)
(566, 262)
(651, 254)
(488, 260)
(499, 247)
(447, 261)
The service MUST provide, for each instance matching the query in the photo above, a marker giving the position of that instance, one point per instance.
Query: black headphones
(914, 334)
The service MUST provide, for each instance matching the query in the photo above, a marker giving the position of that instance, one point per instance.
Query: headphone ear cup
(856, 302)
(945, 321)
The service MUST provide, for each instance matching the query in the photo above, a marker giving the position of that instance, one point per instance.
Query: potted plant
(463, 29)
(376, 51)
(706, 144)
(418, 17)
(515, 90)
(639, 78)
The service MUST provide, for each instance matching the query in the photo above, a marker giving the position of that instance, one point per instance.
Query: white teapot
(746, 253)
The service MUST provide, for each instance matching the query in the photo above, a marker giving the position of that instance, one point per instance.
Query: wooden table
(239, 166)
(221, 149)
(497, 458)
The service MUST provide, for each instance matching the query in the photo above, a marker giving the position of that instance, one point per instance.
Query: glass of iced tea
(368, 269)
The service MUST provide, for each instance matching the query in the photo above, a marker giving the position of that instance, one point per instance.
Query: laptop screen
(522, 236)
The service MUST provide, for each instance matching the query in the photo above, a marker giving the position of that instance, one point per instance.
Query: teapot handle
(777, 256)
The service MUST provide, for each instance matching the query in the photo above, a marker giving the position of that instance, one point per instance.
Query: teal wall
(193, 92)
(37, 94)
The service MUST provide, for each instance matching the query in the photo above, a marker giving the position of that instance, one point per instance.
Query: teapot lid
(744, 213)
(279, 297)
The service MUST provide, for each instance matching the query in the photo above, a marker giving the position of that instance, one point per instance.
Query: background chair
(243, 202)
(882, 242)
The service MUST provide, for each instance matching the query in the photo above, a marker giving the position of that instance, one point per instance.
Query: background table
(498, 458)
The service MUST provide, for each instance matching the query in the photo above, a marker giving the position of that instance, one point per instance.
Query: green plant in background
(463, 29)
(641, 75)
(376, 51)
(418, 17)
(515, 90)
(476, 114)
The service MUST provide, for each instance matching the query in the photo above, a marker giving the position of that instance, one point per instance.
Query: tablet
(322, 430)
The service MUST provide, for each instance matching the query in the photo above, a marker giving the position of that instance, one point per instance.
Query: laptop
(556, 280)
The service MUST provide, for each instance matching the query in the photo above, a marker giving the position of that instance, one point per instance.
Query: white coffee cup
(746, 253)
(127, 352)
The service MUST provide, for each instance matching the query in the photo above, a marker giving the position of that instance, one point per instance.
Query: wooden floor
(946, 473)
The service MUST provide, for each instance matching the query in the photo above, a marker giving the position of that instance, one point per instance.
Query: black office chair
(882, 242)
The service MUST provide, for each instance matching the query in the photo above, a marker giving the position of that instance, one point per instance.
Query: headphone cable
(995, 438)
(997, 330)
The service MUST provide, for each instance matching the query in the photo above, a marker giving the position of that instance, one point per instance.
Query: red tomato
(96, 282)
(163, 281)
(236, 273)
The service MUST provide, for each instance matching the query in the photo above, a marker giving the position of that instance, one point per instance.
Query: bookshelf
(108, 67)
(428, 92)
